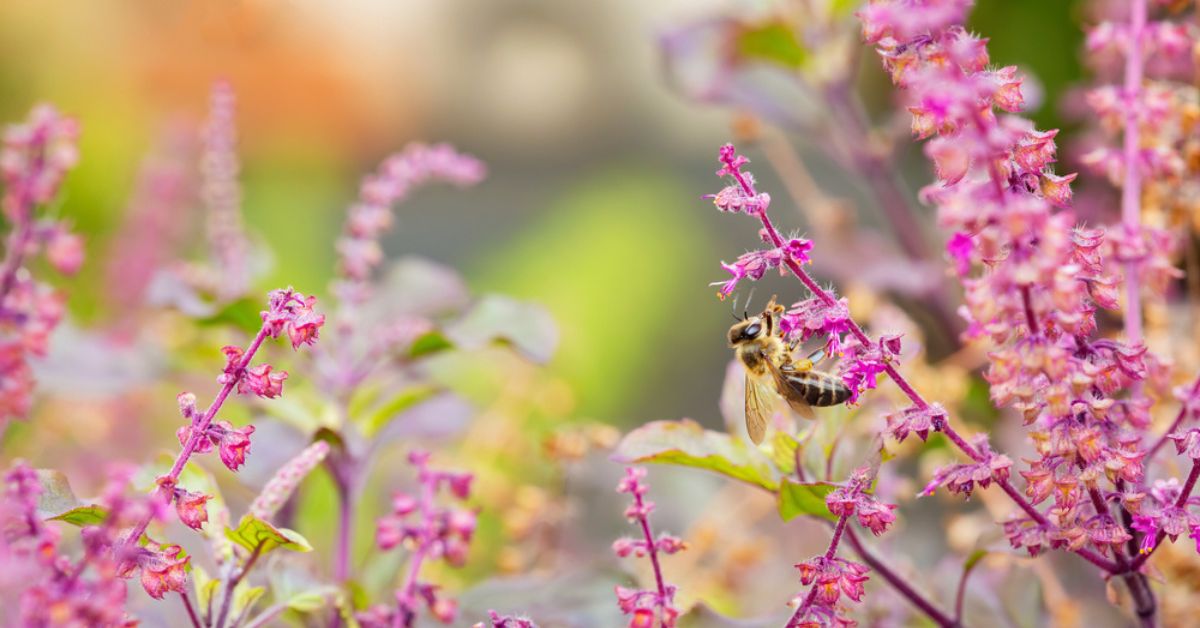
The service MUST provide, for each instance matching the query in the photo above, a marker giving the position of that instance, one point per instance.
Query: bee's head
(747, 330)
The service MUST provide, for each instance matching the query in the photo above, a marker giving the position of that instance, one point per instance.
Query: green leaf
(526, 327)
(312, 599)
(205, 585)
(783, 452)
(774, 42)
(839, 8)
(81, 516)
(57, 496)
(243, 314)
(378, 417)
(244, 596)
(253, 532)
(429, 343)
(687, 444)
(797, 499)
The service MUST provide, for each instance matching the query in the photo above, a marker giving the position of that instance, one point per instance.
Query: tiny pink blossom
(191, 508)
(233, 444)
(261, 381)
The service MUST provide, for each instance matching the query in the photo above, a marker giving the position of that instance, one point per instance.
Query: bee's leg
(802, 365)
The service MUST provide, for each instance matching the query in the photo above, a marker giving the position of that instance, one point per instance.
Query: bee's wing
(760, 405)
(794, 396)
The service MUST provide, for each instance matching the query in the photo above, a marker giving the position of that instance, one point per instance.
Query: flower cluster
(962, 478)
(34, 159)
(359, 250)
(1043, 280)
(646, 608)
(830, 577)
(755, 264)
(55, 589)
(430, 532)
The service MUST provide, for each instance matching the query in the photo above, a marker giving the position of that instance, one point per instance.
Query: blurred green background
(593, 203)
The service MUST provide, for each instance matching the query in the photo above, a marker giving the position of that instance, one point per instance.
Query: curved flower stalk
(34, 160)
(647, 608)
(359, 250)
(438, 532)
(288, 312)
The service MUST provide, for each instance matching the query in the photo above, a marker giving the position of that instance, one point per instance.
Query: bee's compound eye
(752, 331)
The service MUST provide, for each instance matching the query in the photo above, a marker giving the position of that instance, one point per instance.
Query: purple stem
(829, 554)
(900, 584)
(652, 550)
(1183, 412)
(191, 611)
(900, 381)
(1131, 188)
(406, 596)
(1179, 503)
(882, 180)
(199, 427)
(232, 583)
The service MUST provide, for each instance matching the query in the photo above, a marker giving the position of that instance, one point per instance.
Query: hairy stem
(652, 550)
(199, 427)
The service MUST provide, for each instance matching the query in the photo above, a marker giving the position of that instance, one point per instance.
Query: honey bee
(773, 371)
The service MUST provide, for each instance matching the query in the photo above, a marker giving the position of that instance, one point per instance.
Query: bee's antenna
(746, 305)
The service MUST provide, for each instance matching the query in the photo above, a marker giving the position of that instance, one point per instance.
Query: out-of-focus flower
(222, 195)
(436, 532)
(34, 159)
(496, 620)
(285, 481)
(359, 251)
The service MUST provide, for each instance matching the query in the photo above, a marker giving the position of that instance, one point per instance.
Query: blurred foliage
(612, 263)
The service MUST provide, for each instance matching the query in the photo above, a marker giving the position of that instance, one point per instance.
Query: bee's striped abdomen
(819, 389)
